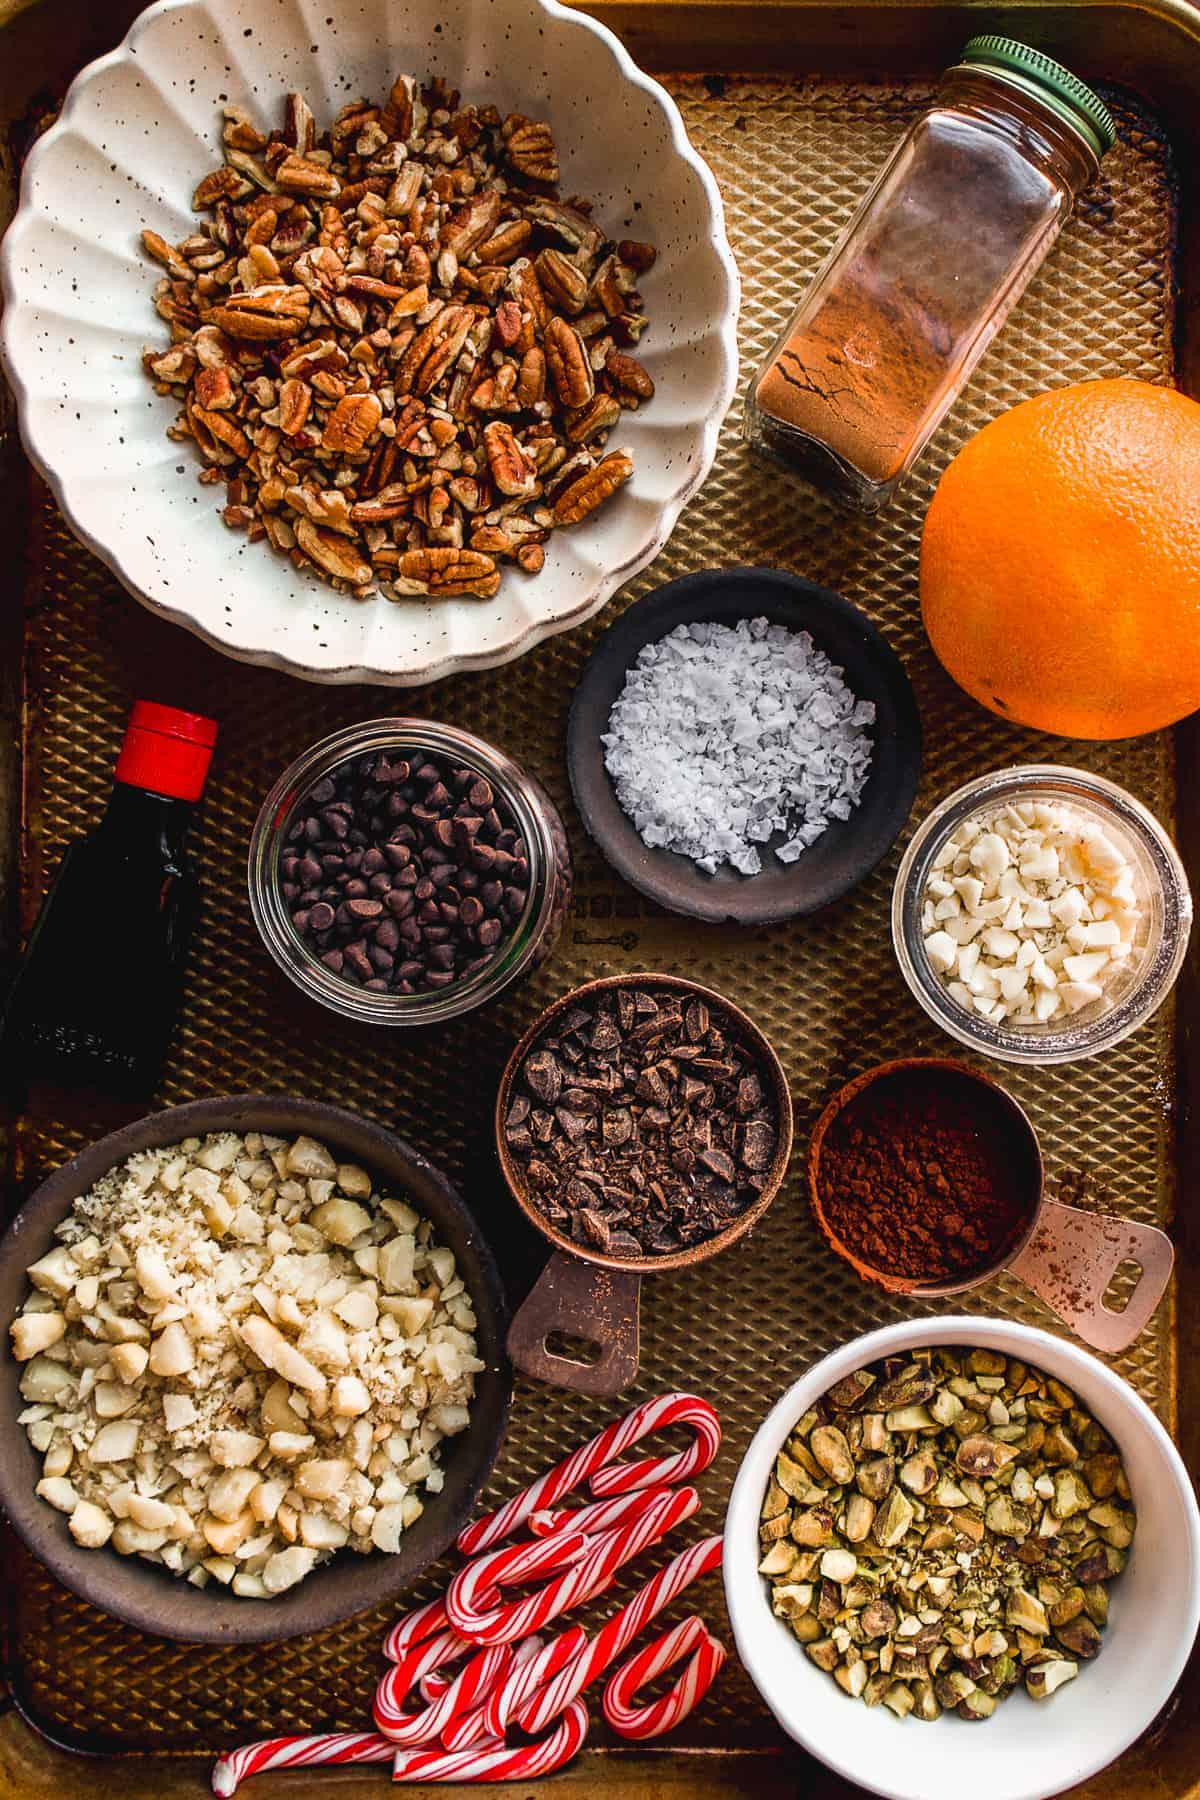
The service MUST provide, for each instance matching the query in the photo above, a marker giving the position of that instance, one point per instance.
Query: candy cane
(689, 1638)
(536, 1712)
(597, 1516)
(473, 1597)
(414, 1629)
(534, 1663)
(609, 1552)
(297, 1753)
(469, 1689)
(590, 1463)
(493, 1761)
(517, 1563)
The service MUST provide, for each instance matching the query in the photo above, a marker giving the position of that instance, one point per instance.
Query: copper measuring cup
(1067, 1256)
(583, 1293)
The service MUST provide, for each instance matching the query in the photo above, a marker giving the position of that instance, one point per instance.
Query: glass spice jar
(937, 256)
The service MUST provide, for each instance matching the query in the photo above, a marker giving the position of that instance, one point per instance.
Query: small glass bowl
(1163, 893)
(535, 816)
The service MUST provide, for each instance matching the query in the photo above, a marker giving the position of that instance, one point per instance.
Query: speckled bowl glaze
(139, 129)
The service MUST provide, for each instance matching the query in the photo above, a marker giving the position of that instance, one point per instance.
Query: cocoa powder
(919, 1177)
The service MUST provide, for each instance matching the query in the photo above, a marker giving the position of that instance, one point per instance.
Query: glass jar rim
(1082, 1037)
(302, 966)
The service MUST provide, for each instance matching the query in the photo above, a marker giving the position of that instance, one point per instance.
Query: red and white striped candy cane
(474, 1593)
(690, 1638)
(396, 1684)
(596, 1516)
(425, 1623)
(492, 1761)
(473, 1597)
(590, 1463)
(536, 1712)
(534, 1662)
(297, 1753)
(609, 1551)
(467, 1691)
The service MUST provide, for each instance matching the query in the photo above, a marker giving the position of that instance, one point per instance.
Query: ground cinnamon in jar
(927, 271)
(919, 1176)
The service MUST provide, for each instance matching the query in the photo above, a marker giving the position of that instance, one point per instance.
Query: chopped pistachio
(954, 1541)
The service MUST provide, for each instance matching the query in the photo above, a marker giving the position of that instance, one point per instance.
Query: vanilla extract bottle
(94, 1002)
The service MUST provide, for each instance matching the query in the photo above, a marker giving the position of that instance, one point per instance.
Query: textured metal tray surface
(792, 157)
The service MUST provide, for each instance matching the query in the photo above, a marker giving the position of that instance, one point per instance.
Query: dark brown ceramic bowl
(148, 1597)
(774, 1079)
(848, 850)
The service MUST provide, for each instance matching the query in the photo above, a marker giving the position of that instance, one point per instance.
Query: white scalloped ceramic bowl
(138, 130)
(1029, 1749)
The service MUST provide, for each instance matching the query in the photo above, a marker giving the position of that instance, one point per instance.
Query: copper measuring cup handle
(581, 1300)
(1073, 1255)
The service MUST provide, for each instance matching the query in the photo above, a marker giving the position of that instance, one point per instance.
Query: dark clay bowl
(849, 849)
(150, 1598)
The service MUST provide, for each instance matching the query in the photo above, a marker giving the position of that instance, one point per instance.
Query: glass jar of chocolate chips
(403, 872)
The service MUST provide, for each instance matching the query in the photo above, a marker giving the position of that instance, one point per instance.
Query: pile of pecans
(942, 1526)
(398, 347)
(403, 873)
(640, 1122)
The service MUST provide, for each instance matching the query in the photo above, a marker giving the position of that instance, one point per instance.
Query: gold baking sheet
(792, 157)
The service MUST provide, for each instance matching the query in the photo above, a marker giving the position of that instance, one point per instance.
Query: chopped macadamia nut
(33, 1332)
(240, 1359)
(1031, 914)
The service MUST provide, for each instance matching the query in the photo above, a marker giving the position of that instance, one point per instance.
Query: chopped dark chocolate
(640, 1122)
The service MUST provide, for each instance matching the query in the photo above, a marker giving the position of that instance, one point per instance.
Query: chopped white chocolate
(213, 1376)
(1030, 913)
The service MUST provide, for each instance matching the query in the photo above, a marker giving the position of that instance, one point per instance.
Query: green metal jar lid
(1071, 98)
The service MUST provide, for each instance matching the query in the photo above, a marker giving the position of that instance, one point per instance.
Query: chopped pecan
(361, 317)
(513, 473)
(531, 382)
(352, 423)
(334, 553)
(473, 224)
(214, 389)
(532, 153)
(448, 571)
(297, 175)
(226, 431)
(562, 280)
(166, 254)
(224, 183)
(433, 350)
(295, 399)
(390, 502)
(507, 243)
(526, 290)
(600, 414)
(639, 256)
(567, 361)
(629, 374)
(299, 126)
(262, 315)
(591, 489)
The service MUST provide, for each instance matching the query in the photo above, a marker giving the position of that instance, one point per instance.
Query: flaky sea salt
(724, 735)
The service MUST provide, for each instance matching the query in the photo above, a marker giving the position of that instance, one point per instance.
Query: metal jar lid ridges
(1071, 98)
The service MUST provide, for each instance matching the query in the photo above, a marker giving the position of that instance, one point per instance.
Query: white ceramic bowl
(1028, 1749)
(138, 130)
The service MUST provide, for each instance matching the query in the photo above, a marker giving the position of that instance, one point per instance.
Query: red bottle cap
(166, 751)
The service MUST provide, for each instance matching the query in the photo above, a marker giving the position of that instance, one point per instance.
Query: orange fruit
(1060, 563)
